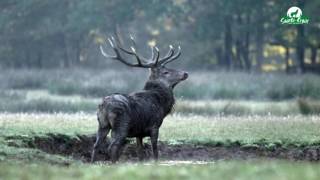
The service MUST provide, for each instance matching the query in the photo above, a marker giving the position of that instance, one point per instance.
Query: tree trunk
(313, 55)
(247, 46)
(238, 54)
(228, 43)
(238, 44)
(300, 48)
(259, 41)
(219, 55)
(66, 60)
(77, 52)
(287, 59)
(301, 42)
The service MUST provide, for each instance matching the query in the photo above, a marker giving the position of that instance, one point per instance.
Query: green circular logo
(294, 12)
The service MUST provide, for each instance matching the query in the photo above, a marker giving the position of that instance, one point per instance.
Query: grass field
(220, 170)
(18, 161)
(192, 128)
(224, 126)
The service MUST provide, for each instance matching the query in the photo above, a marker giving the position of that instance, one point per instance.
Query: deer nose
(185, 75)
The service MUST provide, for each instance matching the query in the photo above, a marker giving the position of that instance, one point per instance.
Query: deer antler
(171, 56)
(154, 61)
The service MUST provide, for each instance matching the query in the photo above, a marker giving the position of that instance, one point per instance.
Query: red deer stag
(139, 114)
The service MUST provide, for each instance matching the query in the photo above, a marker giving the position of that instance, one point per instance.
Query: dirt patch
(80, 148)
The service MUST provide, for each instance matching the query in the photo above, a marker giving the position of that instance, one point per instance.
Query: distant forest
(244, 35)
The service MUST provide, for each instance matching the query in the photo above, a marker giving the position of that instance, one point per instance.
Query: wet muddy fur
(139, 114)
(136, 115)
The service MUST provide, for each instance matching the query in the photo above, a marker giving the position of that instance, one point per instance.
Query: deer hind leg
(116, 147)
(154, 143)
(140, 152)
(119, 134)
(101, 136)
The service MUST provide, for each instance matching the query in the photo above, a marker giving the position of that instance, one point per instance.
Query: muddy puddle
(80, 148)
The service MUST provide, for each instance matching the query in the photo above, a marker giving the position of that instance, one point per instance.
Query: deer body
(139, 114)
(148, 108)
(144, 110)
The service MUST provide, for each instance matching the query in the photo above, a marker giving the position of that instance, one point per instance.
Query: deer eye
(166, 72)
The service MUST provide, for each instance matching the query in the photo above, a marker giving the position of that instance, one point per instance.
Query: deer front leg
(101, 136)
(154, 143)
(140, 153)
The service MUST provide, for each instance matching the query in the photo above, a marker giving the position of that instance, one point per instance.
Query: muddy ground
(80, 148)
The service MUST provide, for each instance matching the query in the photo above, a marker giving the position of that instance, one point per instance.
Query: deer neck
(162, 93)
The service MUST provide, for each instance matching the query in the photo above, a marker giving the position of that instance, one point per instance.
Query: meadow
(249, 136)
(74, 90)
(224, 125)
(200, 85)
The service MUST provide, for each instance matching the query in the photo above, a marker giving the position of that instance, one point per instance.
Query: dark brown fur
(137, 115)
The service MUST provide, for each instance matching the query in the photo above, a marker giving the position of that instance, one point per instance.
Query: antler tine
(152, 52)
(170, 52)
(119, 45)
(154, 56)
(110, 42)
(134, 46)
(106, 54)
(157, 56)
(137, 57)
(117, 55)
(133, 52)
(172, 58)
(168, 56)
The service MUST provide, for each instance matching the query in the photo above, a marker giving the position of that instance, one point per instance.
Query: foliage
(232, 34)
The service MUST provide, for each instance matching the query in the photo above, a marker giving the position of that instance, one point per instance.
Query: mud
(80, 148)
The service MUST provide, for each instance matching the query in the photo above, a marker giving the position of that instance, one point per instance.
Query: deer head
(156, 64)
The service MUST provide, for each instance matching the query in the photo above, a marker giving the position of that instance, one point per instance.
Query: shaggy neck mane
(162, 93)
